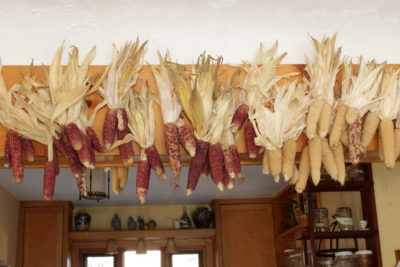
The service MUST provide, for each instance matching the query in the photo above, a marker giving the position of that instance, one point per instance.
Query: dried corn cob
(265, 165)
(205, 171)
(84, 153)
(275, 163)
(94, 140)
(50, 173)
(16, 156)
(154, 160)
(354, 132)
(109, 128)
(122, 119)
(119, 179)
(172, 142)
(304, 170)
(339, 159)
(289, 155)
(387, 132)
(328, 159)
(338, 126)
(196, 166)
(7, 155)
(250, 134)
(370, 125)
(236, 162)
(186, 138)
(74, 136)
(315, 159)
(239, 118)
(229, 162)
(216, 159)
(125, 150)
(228, 181)
(142, 178)
(27, 148)
(60, 146)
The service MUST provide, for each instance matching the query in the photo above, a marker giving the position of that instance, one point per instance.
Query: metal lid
(343, 253)
(328, 263)
(289, 250)
(295, 255)
(364, 252)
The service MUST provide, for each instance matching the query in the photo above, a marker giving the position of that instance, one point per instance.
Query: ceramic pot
(131, 223)
(202, 217)
(116, 223)
(82, 221)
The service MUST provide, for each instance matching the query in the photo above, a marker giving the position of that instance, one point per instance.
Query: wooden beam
(13, 75)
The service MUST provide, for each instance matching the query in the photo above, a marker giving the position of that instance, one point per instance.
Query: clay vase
(82, 221)
(202, 217)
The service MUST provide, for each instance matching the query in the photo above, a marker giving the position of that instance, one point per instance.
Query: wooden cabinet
(244, 233)
(43, 234)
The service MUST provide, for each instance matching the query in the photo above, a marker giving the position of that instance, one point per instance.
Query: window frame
(199, 252)
(86, 255)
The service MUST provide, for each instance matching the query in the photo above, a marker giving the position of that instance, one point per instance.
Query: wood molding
(146, 234)
(13, 75)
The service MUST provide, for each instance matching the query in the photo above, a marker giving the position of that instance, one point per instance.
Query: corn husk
(389, 105)
(123, 73)
(362, 93)
(261, 77)
(169, 103)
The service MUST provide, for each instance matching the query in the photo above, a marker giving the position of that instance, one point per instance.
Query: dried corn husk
(322, 77)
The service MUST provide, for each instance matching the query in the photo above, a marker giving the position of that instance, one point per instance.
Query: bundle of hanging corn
(360, 93)
(386, 111)
(322, 77)
(123, 74)
(23, 124)
(62, 102)
(196, 91)
(259, 79)
(281, 119)
(175, 130)
(141, 123)
(232, 166)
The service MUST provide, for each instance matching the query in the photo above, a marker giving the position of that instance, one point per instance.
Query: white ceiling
(256, 185)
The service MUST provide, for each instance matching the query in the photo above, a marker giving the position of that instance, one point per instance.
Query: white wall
(232, 28)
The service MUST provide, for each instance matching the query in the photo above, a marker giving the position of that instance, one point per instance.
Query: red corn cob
(55, 161)
(239, 117)
(84, 153)
(216, 160)
(154, 160)
(110, 125)
(27, 148)
(74, 136)
(355, 141)
(187, 139)
(122, 119)
(229, 163)
(94, 141)
(76, 166)
(16, 156)
(60, 146)
(228, 181)
(142, 178)
(250, 134)
(172, 142)
(125, 150)
(205, 171)
(7, 155)
(236, 162)
(50, 173)
(196, 165)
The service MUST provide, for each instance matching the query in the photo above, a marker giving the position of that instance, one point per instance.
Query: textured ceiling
(256, 185)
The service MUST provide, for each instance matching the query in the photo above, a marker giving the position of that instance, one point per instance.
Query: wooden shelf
(290, 234)
(331, 186)
(334, 235)
(146, 234)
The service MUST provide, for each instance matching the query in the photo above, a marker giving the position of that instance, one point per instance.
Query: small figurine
(82, 221)
(131, 223)
(116, 222)
(151, 225)
(141, 223)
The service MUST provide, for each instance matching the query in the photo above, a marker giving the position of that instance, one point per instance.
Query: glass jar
(364, 258)
(344, 218)
(321, 222)
(325, 264)
(296, 260)
(288, 252)
(344, 259)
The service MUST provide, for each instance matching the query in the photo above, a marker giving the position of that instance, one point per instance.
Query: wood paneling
(12, 75)
(245, 235)
(43, 234)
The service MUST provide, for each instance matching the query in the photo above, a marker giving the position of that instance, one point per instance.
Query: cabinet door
(43, 233)
(247, 235)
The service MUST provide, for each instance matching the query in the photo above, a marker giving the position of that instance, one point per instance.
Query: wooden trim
(20, 238)
(238, 201)
(397, 254)
(146, 234)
